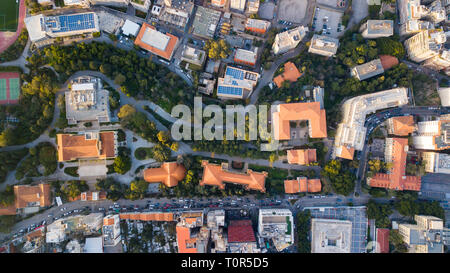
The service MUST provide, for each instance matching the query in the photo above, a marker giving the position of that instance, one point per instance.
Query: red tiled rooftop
(170, 173)
(397, 180)
(290, 73)
(302, 184)
(241, 231)
(302, 156)
(309, 111)
(382, 240)
(186, 244)
(166, 53)
(214, 175)
(73, 147)
(402, 126)
(26, 194)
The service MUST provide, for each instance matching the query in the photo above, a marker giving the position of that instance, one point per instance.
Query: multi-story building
(192, 236)
(246, 57)
(377, 28)
(169, 173)
(193, 56)
(218, 3)
(309, 111)
(302, 184)
(87, 100)
(177, 12)
(205, 22)
(141, 5)
(78, 3)
(351, 133)
(439, 62)
(374, 67)
(331, 236)
(90, 145)
(290, 74)
(395, 153)
(236, 83)
(432, 135)
(277, 225)
(216, 222)
(288, 40)
(158, 43)
(252, 6)
(42, 29)
(400, 126)
(428, 235)
(323, 45)
(111, 230)
(436, 162)
(425, 45)
(218, 175)
(29, 199)
(238, 5)
(257, 25)
(301, 156)
(444, 95)
(414, 26)
(436, 12)
(241, 237)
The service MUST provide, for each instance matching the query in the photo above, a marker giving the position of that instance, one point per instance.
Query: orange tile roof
(301, 157)
(214, 175)
(26, 194)
(290, 73)
(402, 126)
(73, 147)
(302, 184)
(108, 221)
(397, 180)
(388, 61)
(309, 111)
(148, 216)
(9, 210)
(186, 244)
(170, 173)
(346, 152)
(166, 53)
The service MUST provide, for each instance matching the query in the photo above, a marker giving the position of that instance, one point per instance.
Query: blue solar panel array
(74, 22)
(235, 73)
(229, 90)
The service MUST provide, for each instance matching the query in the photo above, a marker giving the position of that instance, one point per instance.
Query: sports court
(9, 87)
(9, 14)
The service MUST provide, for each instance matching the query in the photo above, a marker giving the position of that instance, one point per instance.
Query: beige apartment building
(323, 45)
(289, 39)
(425, 45)
(377, 28)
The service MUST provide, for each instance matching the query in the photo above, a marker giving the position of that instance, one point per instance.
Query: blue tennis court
(14, 88)
(3, 89)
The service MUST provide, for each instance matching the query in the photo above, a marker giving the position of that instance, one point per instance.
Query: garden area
(42, 161)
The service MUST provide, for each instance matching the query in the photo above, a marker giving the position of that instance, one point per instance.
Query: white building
(252, 6)
(278, 225)
(87, 101)
(177, 12)
(236, 83)
(193, 55)
(323, 45)
(238, 5)
(42, 27)
(439, 62)
(436, 162)
(377, 28)
(351, 133)
(425, 45)
(130, 28)
(82, 3)
(331, 236)
(432, 135)
(444, 94)
(289, 39)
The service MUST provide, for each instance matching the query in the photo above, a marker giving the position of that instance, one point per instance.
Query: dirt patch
(292, 10)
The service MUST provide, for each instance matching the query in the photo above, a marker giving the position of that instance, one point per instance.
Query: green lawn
(9, 13)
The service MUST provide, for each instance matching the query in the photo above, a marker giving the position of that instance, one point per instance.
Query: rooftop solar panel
(235, 73)
(228, 90)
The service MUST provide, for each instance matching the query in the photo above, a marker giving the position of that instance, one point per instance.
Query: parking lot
(357, 215)
(328, 20)
(292, 10)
